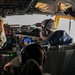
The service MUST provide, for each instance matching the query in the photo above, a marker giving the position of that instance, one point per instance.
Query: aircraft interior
(60, 59)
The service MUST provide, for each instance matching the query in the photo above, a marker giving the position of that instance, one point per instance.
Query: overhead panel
(44, 7)
(51, 7)
(16, 7)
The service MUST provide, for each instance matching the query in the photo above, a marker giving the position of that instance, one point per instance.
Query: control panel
(5, 57)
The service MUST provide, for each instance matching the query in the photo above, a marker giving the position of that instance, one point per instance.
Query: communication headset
(46, 31)
(32, 51)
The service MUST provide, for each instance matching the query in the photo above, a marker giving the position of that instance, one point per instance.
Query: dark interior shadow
(31, 68)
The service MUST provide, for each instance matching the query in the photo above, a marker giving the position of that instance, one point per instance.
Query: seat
(60, 37)
(53, 62)
(31, 68)
(60, 62)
